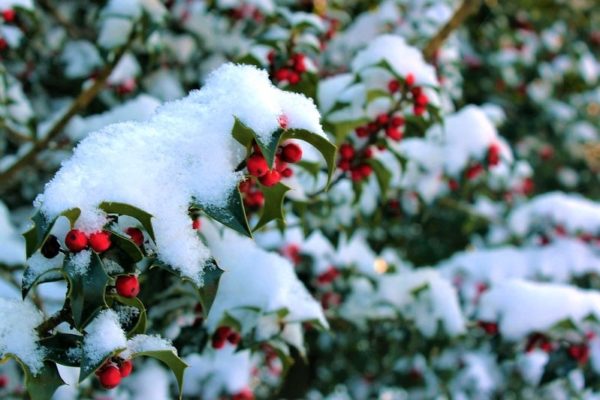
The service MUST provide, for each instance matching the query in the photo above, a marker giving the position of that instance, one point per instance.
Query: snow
(80, 58)
(150, 382)
(438, 302)
(254, 277)
(38, 264)
(103, 337)
(184, 151)
(117, 22)
(6, 4)
(521, 307)
(18, 335)
(569, 210)
(401, 57)
(217, 371)
(143, 343)
(138, 109)
(81, 261)
(12, 245)
(560, 261)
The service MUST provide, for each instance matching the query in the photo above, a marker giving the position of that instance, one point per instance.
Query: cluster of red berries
(579, 352)
(289, 70)
(356, 165)
(476, 169)
(540, 341)
(77, 241)
(390, 124)
(128, 286)
(419, 98)
(327, 277)
(225, 334)
(258, 167)
(111, 373)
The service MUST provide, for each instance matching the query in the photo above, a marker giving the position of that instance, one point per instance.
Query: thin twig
(79, 103)
(466, 8)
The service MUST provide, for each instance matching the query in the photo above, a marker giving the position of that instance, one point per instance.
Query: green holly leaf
(86, 289)
(382, 174)
(232, 214)
(139, 325)
(128, 247)
(558, 366)
(341, 129)
(170, 358)
(324, 146)
(61, 348)
(246, 136)
(42, 385)
(273, 208)
(208, 292)
(375, 94)
(39, 232)
(32, 278)
(131, 211)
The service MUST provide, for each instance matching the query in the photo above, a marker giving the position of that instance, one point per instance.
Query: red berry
(291, 153)
(283, 121)
(257, 165)
(271, 178)
(356, 175)
(196, 224)
(328, 276)
(493, 155)
(136, 235)
(110, 377)
(382, 119)
(255, 199)
(473, 171)
(299, 63)
(393, 86)
(416, 91)
(453, 185)
(373, 127)
(397, 121)
(220, 337)
(76, 240)
(394, 134)
(368, 153)
(421, 99)
(365, 170)
(9, 15)
(410, 79)
(294, 78)
(491, 328)
(3, 43)
(282, 75)
(128, 286)
(346, 151)
(362, 131)
(3, 381)
(125, 368)
(580, 352)
(419, 110)
(245, 185)
(100, 241)
(271, 56)
(234, 338)
(244, 394)
(286, 173)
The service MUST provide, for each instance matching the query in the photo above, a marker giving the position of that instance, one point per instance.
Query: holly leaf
(139, 326)
(324, 146)
(129, 210)
(170, 358)
(42, 385)
(39, 232)
(246, 136)
(382, 174)
(558, 366)
(232, 215)
(60, 348)
(32, 278)
(273, 208)
(127, 246)
(86, 289)
(208, 292)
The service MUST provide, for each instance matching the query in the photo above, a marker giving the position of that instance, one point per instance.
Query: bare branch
(466, 8)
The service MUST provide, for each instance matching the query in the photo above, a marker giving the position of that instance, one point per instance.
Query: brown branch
(466, 8)
(79, 103)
